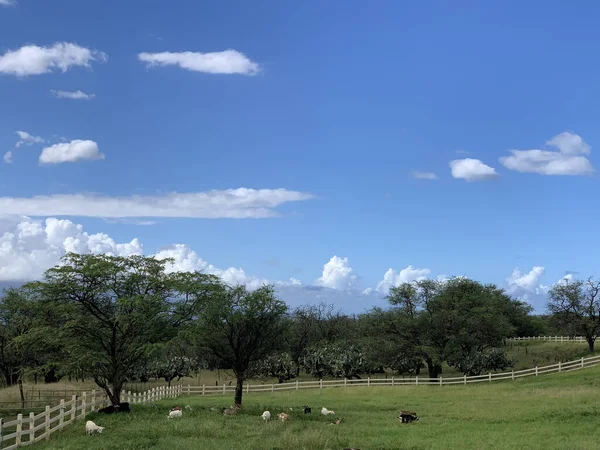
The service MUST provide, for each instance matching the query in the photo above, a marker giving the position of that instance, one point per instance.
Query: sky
(332, 150)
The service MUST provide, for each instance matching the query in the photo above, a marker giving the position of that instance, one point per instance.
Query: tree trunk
(112, 390)
(590, 342)
(434, 369)
(239, 386)
(21, 393)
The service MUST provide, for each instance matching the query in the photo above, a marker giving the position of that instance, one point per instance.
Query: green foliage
(338, 360)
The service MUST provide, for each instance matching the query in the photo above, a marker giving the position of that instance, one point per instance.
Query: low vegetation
(549, 412)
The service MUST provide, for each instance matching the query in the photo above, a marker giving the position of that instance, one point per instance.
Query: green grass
(560, 411)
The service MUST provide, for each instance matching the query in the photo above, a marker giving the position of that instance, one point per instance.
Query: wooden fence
(549, 338)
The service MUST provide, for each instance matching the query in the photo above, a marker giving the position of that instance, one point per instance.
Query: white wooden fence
(549, 338)
(36, 427)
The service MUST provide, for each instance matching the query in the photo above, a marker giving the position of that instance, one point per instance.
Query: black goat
(121, 407)
(307, 409)
(408, 416)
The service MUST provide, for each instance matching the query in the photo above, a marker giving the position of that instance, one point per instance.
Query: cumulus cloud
(470, 169)
(8, 2)
(74, 151)
(567, 160)
(225, 62)
(519, 282)
(337, 274)
(407, 275)
(8, 157)
(424, 175)
(73, 95)
(217, 204)
(36, 60)
(27, 139)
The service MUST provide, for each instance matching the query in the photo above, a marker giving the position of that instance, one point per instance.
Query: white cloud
(568, 160)
(74, 151)
(337, 274)
(424, 175)
(8, 157)
(470, 169)
(225, 62)
(407, 275)
(519, 282)
(73, 95)
(27, 139)
(231, 203)
(8, 2)
(36, 60)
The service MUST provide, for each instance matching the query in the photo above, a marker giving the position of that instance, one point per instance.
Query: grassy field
(558, 411)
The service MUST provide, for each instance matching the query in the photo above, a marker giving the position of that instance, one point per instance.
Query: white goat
(326, 412)
(175, 413)
(266, 416)
(91, 427)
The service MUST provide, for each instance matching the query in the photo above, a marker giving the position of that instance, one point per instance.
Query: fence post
(368, 381)
(19, 429)
(61, 417)
(73, 407)
(224, 388)
(392, 381)
(31, 427)
(83, 404)
(417, 380)
(513, 375)
(272, 387)
(248, 387)
(203, 387)
(559, 366)
(296, 383)
(93, 400)
(47, 421)
(321, 383)
(189, 390)
(536, 370)
(129, 396)
(465, 380)
(490, 376)
(441, 380)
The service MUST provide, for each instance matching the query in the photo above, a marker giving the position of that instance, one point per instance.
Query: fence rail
(26, 430)
(549, 338)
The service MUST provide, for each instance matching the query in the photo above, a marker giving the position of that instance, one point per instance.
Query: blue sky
(339, 106)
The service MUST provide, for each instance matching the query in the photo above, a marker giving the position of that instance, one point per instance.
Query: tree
(117, 308)
(575, 305)
(241, 328)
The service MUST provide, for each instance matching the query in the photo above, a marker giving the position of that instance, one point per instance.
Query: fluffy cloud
(74, 151)
(8, 2)
(407, 275)
(470, 169)
(225, 62)
(424, 175)
(337, 274)
(567, 160)
(35, 60)
(519, 282)
(231, 203)
(27, 139)
(8, 157)
(74, 95)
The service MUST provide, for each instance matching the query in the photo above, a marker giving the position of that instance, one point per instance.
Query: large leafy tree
(117, 308)
(241, 327)
(575, 306)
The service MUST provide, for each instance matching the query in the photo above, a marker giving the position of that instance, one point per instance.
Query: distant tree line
(119, 319)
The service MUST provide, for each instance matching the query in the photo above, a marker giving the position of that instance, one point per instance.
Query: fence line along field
(24, 430)
(555, 411)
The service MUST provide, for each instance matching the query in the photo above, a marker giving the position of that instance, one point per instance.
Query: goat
(408, 416)
(284, 416)
(119, 407)
(326, 412)
(175, 413)
(266, 416)
(230, 411)
(337, 421)
(307, 409)
(176, 408)
(91, 427)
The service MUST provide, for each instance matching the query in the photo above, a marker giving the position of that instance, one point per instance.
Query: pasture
(548, 412)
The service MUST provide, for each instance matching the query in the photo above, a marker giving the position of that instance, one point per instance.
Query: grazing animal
(266, 416)
(326, 412)
(119, 407)
(230, 411)
(307, 409)
(337, 421)
(176, 408)
(175, 413)
(408, 416)
(91, 427)
(284, 416)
